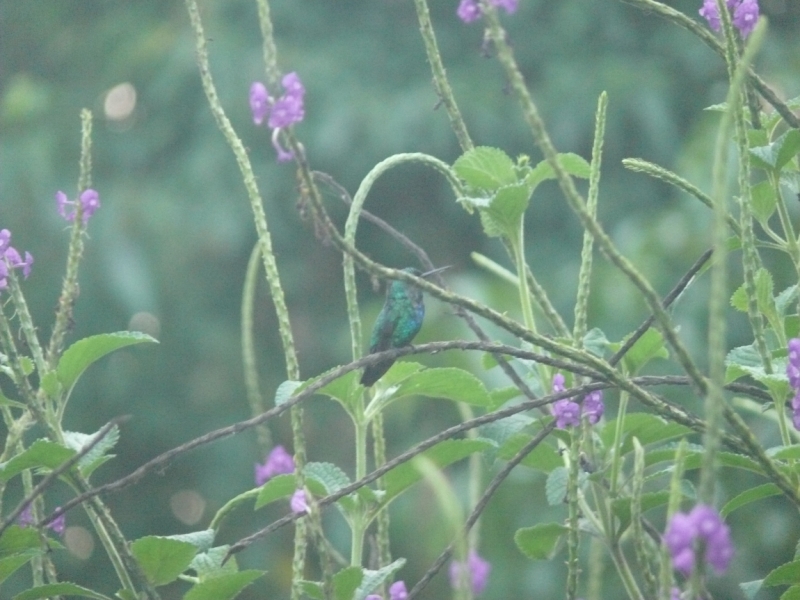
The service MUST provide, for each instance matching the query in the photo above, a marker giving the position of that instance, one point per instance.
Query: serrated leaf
(596, 342)
(285, 391)
(442, 454)
(751, 495)
(793, 593)
(739, 299)
(328, 474)
(764, 201)
(501, 430)
(540, 542)
(313, 589)
(556, 486)
(773, 157)
(572, 163)
(50, 384)
(346, 581)
(500, 396)
(764, 294)
(60, 589)
(201, 540)
(162, 559)
(507, 208)
(372, 579)
(26, 364)
(449, 382)
(77, 358)
(209, 564)
(95, 457)
(41, 453)
(486, 168)
(785, 299)
(223, 587)
(646, 348)
(788, 574)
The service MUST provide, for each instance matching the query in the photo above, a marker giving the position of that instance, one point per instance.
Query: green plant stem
(254, 396)
(270, 266)
(379, 452)
(585, 274)
(69, 289)
(518, 250)
(573, 537)
(440, 81)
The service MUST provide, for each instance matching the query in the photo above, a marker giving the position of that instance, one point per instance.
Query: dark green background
(174, 232)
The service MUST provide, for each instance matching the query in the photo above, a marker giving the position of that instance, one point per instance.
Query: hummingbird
(399, 321)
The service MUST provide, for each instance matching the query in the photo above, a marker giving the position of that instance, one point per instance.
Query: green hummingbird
(399, 321)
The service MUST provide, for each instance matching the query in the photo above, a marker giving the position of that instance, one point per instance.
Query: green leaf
(344, 389)
(501, 430)
(59, 589)
(442, 454)
(209, 564)
(372, 579)
(450, 382)
(596, 342)
(507, 208)
(785, 299)
(764, 201)
(313, 589)
(622, 506)
(793, 593)
(280, 486)
(486, 168)
(285, 391)
(10, 564)
(223, 587)
(41, 453)
(500, 396)
(648, 428)
(573, 164)
(77, 358)
(739, 299)
(540, 542)
(646, 348)
(788, 574)
(745, 360)
(97, 455)
(543, 458)
(18, 540)
(751, 588)
(162, 559)
(50, 384)
(201, 540)
(8, 402)
(346, 582)
(764, 294)
(773, 157)
(751, 495)
(329, 475)
(556, 486)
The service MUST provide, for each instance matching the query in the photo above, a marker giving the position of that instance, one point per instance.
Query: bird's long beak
(435, 271)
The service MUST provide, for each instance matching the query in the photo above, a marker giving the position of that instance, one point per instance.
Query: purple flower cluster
(469, 10)
(281, 113)
(475, 570)
(279, 462)
(397, 591)
(745, 14)
(568, 413)
(793, 372)
(10, 259)
(702, 524)
(89, 202)
(25, 519)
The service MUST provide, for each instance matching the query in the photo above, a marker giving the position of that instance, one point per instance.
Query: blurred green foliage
(174, 233)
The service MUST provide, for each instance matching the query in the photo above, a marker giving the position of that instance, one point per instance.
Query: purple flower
(89, 201)
(279, 462)
(703, 523)
(510, 6)
(567, 413)
(259, 102)
(373, 597)
(745, 16)
(298, 503)
(281, 113)
(25, 519)
(558, 383)
(593, 407)
(11, 259)
(792, 368)
(476, 569)
(397, 591)
(469, 11)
